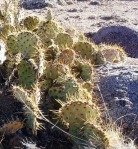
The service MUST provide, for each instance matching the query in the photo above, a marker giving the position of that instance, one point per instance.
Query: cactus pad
(81, 111)
(83, 69)
(45, 84)
(95, 134)
(54, 70)
(64, 40)
(113, 53)
(6, 30)
(66, 57)
(27, 43)
(47, 29)
(12, 44)
(62, 88)
(30, 22)
(86, 50)
(26, 74)
(32, 122)
(31, 108)
(51, 53)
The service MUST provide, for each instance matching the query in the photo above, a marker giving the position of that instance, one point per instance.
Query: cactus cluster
(51, 60)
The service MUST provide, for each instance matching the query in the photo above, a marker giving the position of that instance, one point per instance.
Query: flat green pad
(61, 89)
(12, 44)
(83, 69)
(86, 50)
(26, 74)
(27, 43)
(64, 40)
(47, 29)
(54, 70)
(78, 112)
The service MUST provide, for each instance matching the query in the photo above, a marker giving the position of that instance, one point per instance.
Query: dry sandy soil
(90, 16)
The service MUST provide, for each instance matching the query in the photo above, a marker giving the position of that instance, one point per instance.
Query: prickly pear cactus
(51, 52)
(27, 43)
(27, 73)
(31, 106)
(81, 111)
(45, 84)
(66, 57)
(54, 70)
(95, 134)
(48, 30)
(83, 69)
(64, 40)
(32, 116)
(30, 22)
(113, 53)
(6, 30)
(12, 44)
(86, 50)
(88, 85)
(62, 88)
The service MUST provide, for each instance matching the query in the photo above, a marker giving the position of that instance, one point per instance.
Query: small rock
(72, 10)
(120, 35)
(94, 3)
(107, 18)
(34, 4)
